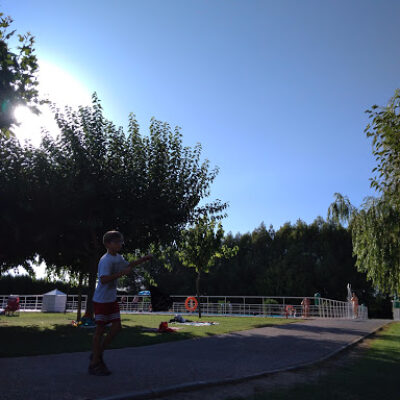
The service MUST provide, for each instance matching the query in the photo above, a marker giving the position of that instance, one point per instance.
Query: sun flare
(59, 87)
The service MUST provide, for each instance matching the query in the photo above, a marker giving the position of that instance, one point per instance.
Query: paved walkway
(141, 371)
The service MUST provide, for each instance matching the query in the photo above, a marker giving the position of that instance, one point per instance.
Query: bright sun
(59, 87)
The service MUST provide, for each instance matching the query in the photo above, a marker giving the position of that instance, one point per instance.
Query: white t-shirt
(108, 265)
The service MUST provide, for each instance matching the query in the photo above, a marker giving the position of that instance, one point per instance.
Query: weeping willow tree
(375, 227)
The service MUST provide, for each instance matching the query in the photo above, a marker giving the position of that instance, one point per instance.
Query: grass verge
(40, 333)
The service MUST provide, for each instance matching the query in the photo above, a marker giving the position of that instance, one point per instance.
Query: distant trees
(18, 80)
(296, 260)
(23, 284)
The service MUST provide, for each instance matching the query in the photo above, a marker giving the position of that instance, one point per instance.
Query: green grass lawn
(375, 375)
(39, 333)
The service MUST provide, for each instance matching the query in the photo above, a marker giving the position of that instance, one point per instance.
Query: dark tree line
(296, 260)
(24, 284)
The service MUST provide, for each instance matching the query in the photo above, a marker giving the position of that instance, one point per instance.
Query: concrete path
(143, 372)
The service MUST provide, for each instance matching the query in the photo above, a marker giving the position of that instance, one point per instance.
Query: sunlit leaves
(18, 81)
(384, 130)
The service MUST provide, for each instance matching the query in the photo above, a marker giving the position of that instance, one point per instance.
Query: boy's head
(113, 241)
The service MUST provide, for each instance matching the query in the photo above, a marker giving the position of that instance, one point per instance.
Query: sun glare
(59, 87)
(31, 125)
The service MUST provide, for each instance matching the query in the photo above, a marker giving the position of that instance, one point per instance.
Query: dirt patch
(246, 390)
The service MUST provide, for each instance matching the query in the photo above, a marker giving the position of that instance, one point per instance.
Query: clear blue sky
(275, 91)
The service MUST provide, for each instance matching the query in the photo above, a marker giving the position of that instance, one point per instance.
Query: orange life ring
(194, 302)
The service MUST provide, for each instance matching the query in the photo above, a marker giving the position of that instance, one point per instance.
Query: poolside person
(112, 266)
(354, 300)
(317, 302)
(306, 307)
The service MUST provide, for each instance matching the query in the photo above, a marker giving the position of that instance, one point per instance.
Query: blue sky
(275, 91)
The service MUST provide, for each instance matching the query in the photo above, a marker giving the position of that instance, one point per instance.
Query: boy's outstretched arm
(140, 261)
(126, 271)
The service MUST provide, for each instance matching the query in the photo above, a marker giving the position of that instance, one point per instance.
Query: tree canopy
(93, 178)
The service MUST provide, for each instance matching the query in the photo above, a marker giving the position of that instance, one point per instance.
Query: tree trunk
(92, 287)
(79, 312)
(198, 293)
(94, 261)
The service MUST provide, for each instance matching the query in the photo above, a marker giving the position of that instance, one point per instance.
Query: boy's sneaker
(103, 365)
(98, 370)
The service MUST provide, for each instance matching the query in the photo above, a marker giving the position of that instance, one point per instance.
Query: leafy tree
(376, 226)
(200, 246)
(18, 81)
(384, 130)
(375, 230)
(96, 179)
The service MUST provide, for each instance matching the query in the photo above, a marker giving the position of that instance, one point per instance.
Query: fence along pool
(271, 306)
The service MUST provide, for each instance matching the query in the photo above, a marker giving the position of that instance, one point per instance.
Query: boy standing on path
(106, 308)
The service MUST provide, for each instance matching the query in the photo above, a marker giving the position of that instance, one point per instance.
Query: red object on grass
(165, 328)
(12, 305)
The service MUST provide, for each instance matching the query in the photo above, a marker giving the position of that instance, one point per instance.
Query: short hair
(111, 236)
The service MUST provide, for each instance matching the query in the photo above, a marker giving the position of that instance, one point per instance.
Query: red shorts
(106, 312)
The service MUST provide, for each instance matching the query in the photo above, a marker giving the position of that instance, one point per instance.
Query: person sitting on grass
(106, 309)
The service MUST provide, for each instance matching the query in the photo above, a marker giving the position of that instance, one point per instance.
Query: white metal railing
(27, 302)
(72, 303)
(289, 307)
(34, 303)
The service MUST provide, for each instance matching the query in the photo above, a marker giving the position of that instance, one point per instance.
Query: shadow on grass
(34, 340)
